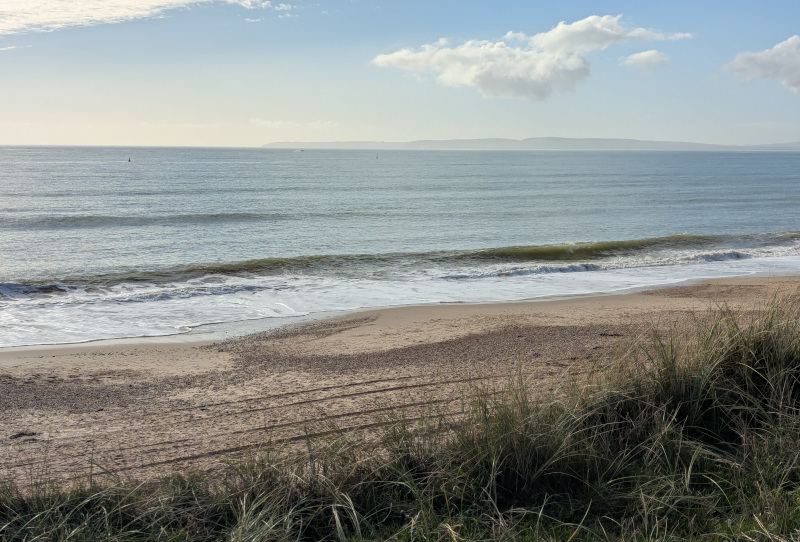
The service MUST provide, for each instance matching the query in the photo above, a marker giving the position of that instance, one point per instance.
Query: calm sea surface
(93, 246)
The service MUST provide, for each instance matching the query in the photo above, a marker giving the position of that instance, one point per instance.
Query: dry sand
(144, 409)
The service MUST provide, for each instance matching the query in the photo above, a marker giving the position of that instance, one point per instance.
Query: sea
(112, 242)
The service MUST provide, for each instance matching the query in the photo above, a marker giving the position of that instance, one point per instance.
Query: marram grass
(696, 436)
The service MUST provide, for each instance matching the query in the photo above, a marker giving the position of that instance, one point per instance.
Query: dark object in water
(49, 289)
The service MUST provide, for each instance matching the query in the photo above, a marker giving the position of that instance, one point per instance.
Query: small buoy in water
(129, 159)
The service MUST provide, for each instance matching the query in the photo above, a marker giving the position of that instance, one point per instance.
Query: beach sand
(154, 407)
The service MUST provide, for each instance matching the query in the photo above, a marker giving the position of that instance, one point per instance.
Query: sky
(245, 73)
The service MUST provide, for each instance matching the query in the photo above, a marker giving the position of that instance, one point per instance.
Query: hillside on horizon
(533, 144)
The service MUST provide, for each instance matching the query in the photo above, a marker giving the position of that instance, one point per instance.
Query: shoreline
(221, 331)
(148, 408)
(236, 314)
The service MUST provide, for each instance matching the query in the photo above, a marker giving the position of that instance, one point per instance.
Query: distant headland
(534, 144)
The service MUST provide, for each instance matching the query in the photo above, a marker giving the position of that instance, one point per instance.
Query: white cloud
(646, 59)
(251, 4)
(530, 68)
(18, 16)
(782, 62)
(283, 7)
(8, 48)
(590, 34)
(515, 36)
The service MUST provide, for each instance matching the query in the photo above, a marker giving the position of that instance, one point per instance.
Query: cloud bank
(782, 62)
(20, 16)
(646, 59)
(529, 68)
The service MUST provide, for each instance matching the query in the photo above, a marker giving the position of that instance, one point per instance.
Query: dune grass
(693, 435)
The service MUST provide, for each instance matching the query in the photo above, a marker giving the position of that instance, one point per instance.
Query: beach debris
(23, 434)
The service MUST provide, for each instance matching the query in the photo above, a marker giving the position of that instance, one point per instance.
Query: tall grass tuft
(694, 435)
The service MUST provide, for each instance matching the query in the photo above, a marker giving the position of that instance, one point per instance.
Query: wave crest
(590, 256)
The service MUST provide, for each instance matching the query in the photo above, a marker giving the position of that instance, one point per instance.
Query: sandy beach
(152, 407)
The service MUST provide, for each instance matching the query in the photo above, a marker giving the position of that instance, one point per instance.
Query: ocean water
(93, 246)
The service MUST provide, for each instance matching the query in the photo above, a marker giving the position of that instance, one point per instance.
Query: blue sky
(249, 72)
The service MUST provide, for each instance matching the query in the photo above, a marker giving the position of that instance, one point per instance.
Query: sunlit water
(93, 246)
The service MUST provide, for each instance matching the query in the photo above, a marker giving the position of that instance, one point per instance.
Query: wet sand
(149, 408)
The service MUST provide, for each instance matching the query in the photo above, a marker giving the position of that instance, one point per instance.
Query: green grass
(694, 435)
